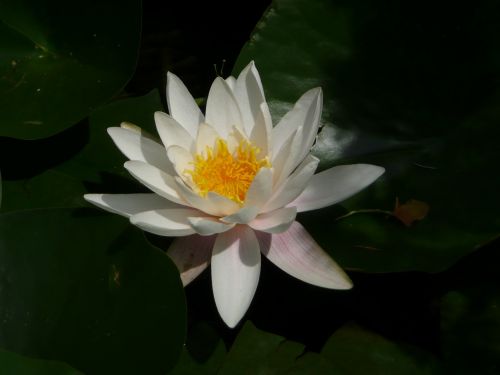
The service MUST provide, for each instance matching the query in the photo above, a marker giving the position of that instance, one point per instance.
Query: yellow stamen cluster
(228, 174)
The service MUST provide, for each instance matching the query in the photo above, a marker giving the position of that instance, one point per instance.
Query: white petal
(335, 185)
(296, 253)
(213, 204)
(136, 147)
(171, 132)
(182, 160)
(260, 189)
(242, 216)
(311, 124)
(276, 221)
(250, 95)
(129, 204)
(191, 255)
(231, 82)
(286, 159)
(302, 114)
(222, 110)
(206, 137)
(208, 225)
(169, 222)
(235, 272)
(292, 187)
(156, 180)
(261, 132)
(182, 106)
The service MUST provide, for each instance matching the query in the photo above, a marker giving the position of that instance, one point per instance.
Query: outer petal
(222, 110)
(261, 132)
(250, 95)
(136, 147)
(191, 255)
(168, 222)
(276, 221)
(171, 132)
(304, 113)
(235, 272)
(294, 185)
(182, 106)
(208, 225)
(335, 185)
(287, 158)
(156, 180)
(296, 253)
(129, 204)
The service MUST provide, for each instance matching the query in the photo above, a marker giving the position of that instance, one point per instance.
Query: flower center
(228, 174)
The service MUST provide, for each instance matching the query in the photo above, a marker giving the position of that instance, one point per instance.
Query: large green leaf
(59, 60)
(12, 363)
(86, 288)
(428, 121)
(87, 159)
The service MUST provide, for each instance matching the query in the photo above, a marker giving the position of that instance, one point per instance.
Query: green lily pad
(426, 121)
(61, 60)
(86, 288)
(87, 160)
(12, 363)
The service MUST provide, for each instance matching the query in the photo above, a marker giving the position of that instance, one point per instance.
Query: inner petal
(228, 173)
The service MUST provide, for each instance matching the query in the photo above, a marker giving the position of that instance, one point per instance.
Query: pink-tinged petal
(206, 137)
(260, 189)
(296, 253)
(191, 255)
(235, 272)
(158, 181)
(276, 221)
(168, 222)
(286, 159)
(182, 106)
(129, 204)
(171, 132)
(242, 216)
(294, 185)
(137, 147)
(261, 132)
(222, 110)
(336, 184)
(303, 113)
(250, 95)
(206, 226)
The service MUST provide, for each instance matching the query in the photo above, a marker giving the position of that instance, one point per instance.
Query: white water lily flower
(229, 185)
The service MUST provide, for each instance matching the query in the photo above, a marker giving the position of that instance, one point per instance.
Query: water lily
(229, 185)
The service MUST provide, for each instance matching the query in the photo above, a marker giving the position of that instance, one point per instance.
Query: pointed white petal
(292, 187)
(206, 137)
(191, 255)
(286, 158)
(242, 216)
(231, 82)
(182, 160)
(168, 222)
(335, 185)
(156, 180)
(296, 253)
(171, 132)
(311, 125)
(260, 189)
(222, 110)
(235, 272)
(182, 106)
(261, 132)
(208, 225)
(136, 147)
(250, 95)
(276, 221)
(302, 114)
(129, 204)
